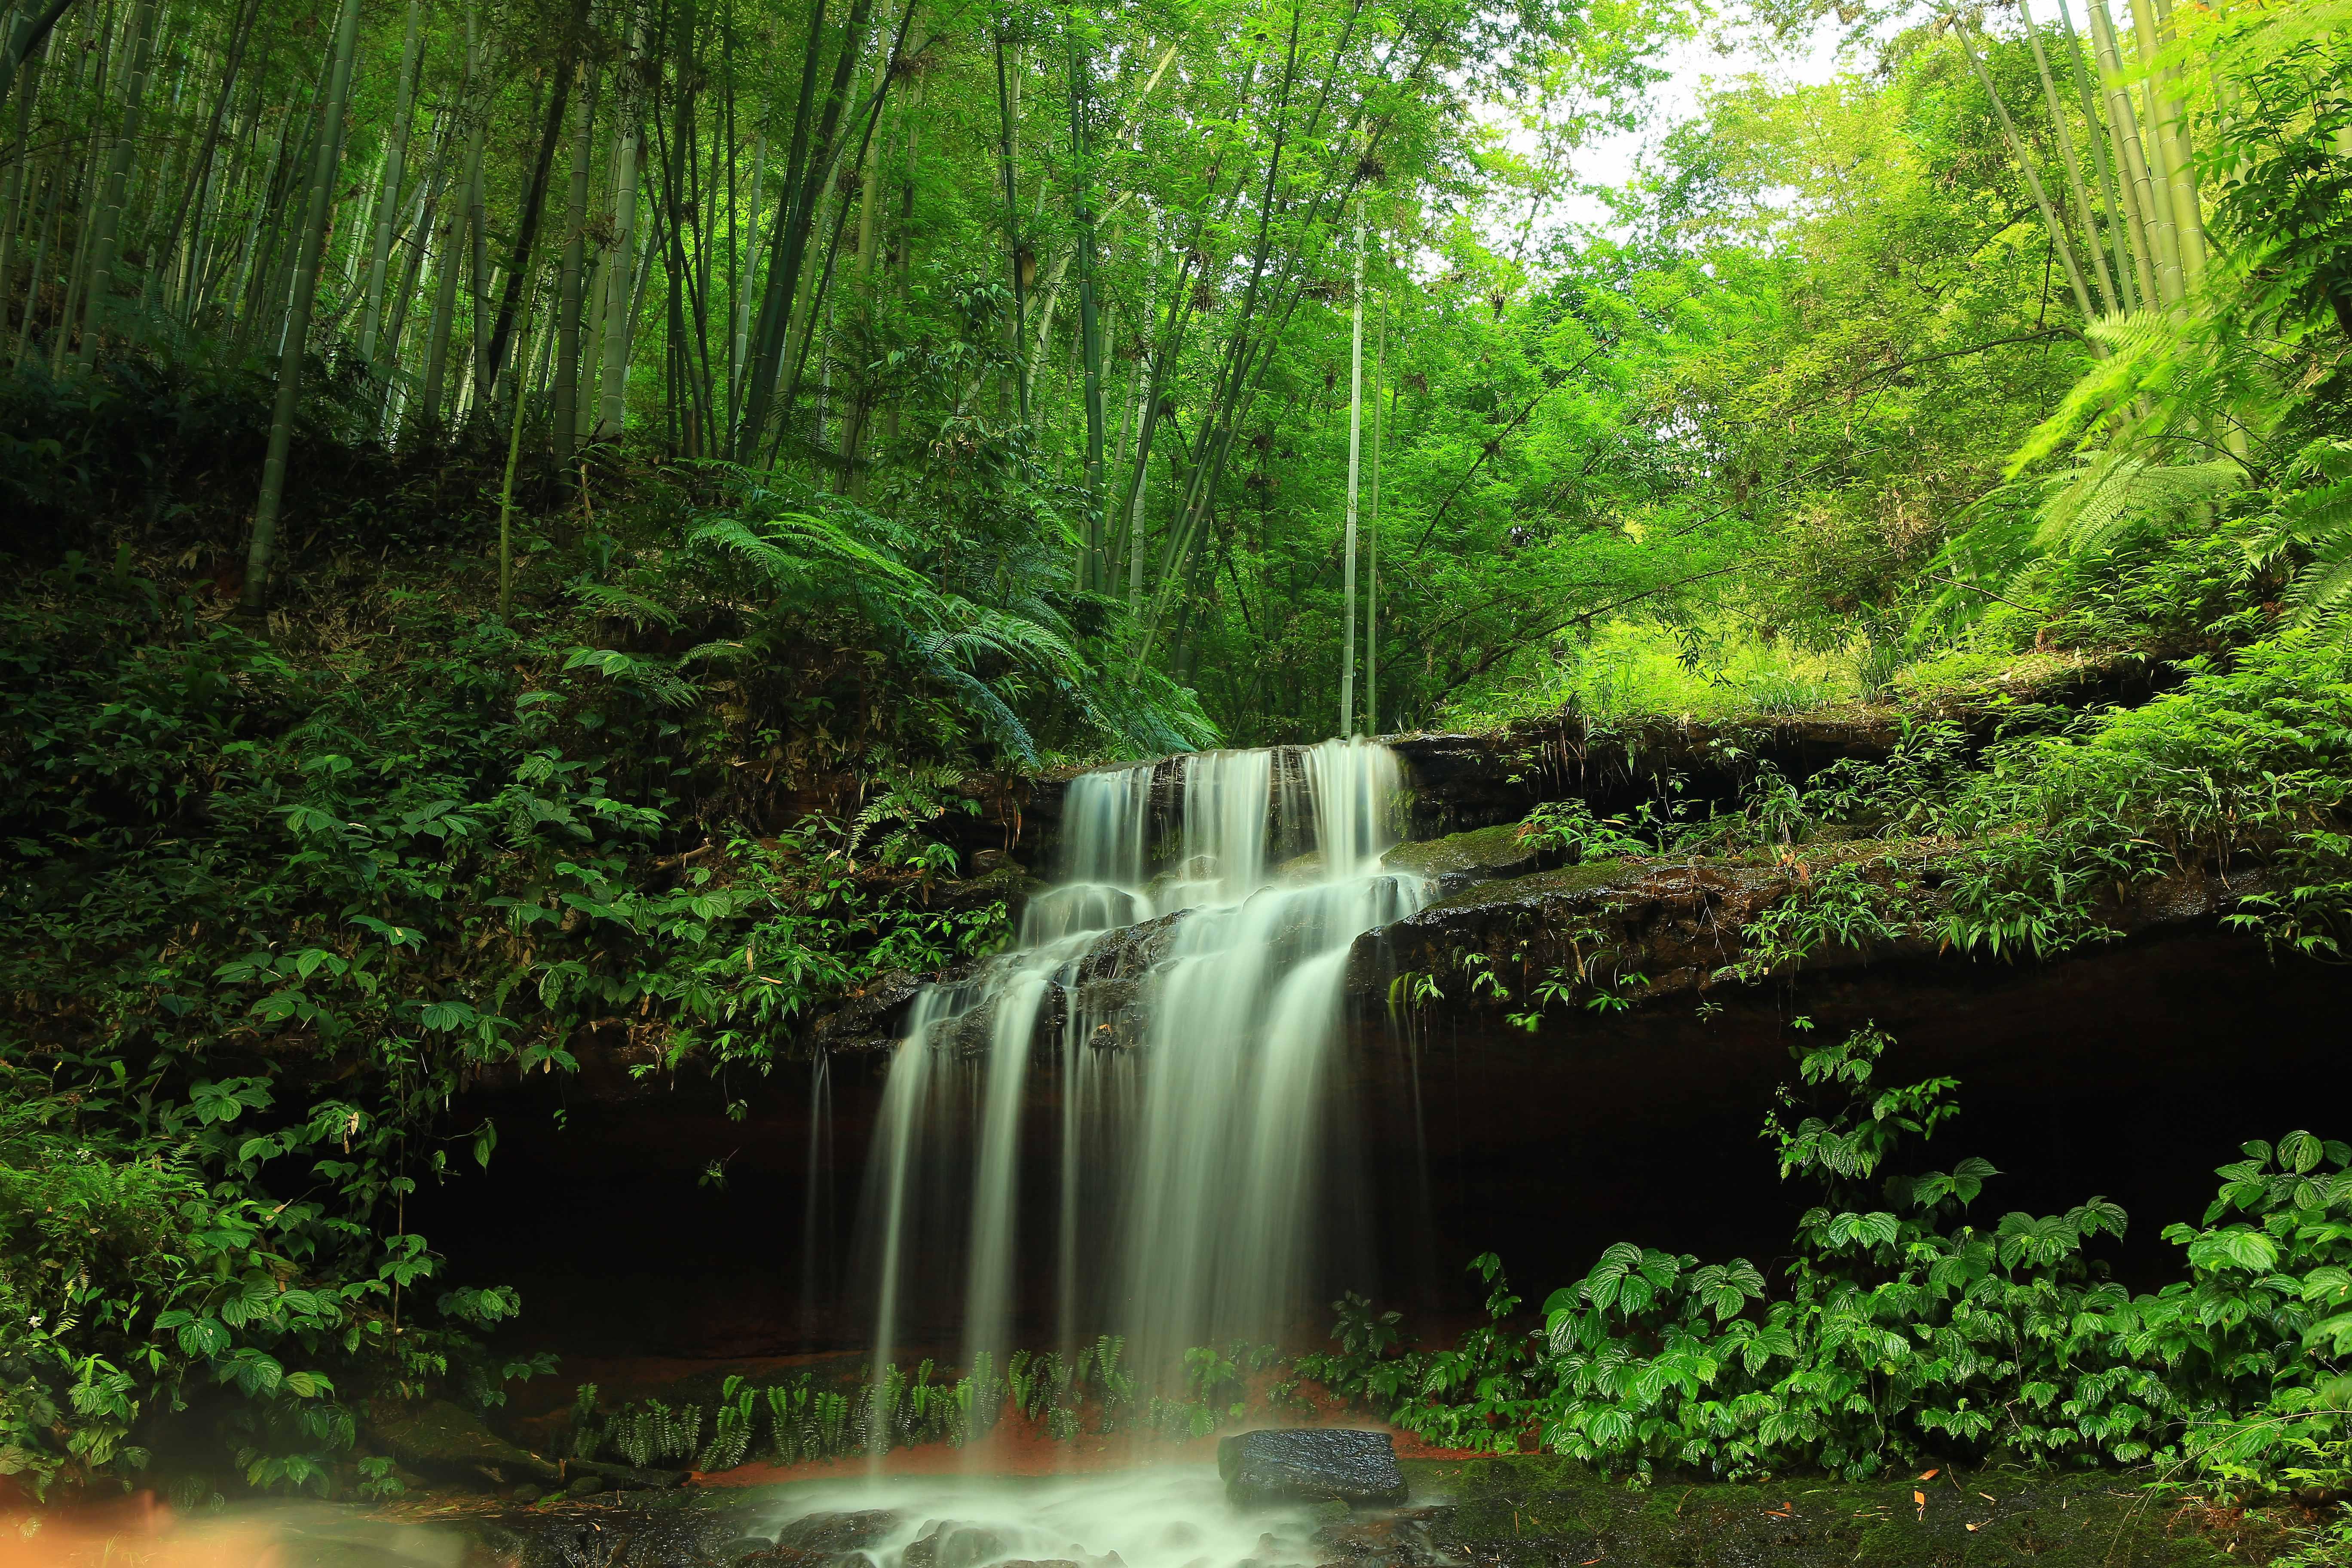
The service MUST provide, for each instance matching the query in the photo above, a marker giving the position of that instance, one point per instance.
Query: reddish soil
(1016, 1447)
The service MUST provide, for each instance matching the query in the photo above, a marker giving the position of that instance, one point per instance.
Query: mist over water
(1185, 1109)
(1167, 1516)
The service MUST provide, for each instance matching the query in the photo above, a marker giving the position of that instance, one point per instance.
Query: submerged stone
(950, 1545)
(848, 1532)
(1359, 1468)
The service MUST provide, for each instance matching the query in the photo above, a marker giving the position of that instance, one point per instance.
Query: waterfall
(1194, 947)
(817, 1234)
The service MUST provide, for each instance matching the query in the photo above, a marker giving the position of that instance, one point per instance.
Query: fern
(2315, 519)
(2093, 505)
(586, 1437)
(2103, 501)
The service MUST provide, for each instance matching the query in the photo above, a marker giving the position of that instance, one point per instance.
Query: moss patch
(437, 1438)
(1590, 877)
(1485, 848)
(1538, 1512)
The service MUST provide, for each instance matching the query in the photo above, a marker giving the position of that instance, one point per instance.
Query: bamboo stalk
(2150, 229)
(2152, 20)
(505, 513)
(2127, 271)
(1355, 466)
(257, 558)
(1372, 526)
(448, 268)
(395, 168)
(566, 410)
(2068, 155)
(2050, 220)
(99, 297)
(613, 374)
(1089, 325)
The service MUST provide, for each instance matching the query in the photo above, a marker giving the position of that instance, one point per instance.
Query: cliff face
(1621, 1103)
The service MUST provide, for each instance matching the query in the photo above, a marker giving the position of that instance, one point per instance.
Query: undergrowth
(275, 897)
(1904, 1331)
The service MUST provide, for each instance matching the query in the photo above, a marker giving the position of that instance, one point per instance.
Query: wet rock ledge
(1526, 1512)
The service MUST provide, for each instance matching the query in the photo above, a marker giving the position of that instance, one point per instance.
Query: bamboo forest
(1176, 783)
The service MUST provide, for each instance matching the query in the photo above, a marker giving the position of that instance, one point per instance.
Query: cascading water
(1188, 1089)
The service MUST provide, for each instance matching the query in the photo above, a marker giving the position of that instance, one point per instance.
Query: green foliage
(992, 658)
(1904, 1331)
(1568, 828)
(2240, 769)
(270, 909)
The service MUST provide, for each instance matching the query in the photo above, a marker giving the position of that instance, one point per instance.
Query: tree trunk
(534, 202)
(746, 264)
(451, 266)
(807, 170)
(419, 241)
(193, 197)
(2152, 237)
(1015, 254)
(2094, 127)
(1372, 539)
(2113, 300)
(2050, 220)
(613, 378)
(29, 34)
(2151, 20)
(575, 257)
(14, 205)
(1089, 323)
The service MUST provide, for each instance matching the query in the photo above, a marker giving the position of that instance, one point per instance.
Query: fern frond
(2090, 507)
(635, 608)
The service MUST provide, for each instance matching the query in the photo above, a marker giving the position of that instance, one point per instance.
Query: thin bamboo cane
(1372, 530)
(613, 374)
(258, 559)
(2152, 21)
(566, 410)
(2050, 220)
(2066, 154)
(394, 170)
(2127, 270)
(2151, 229)
(1355, 466)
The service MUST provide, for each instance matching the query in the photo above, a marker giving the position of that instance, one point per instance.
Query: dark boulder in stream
(1359, 1468)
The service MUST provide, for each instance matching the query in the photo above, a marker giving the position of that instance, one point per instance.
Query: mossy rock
(1538, 1512)
(1461, 860)
(437, 1438)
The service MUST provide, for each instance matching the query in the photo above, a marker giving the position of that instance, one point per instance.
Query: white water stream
(1188, 1107)
(1165, 1516)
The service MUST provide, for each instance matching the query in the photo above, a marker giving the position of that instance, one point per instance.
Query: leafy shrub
(1902, 1331)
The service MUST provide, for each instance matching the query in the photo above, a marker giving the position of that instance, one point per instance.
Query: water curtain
(1193, 951)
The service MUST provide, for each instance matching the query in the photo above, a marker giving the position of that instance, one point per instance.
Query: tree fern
(996, 660)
